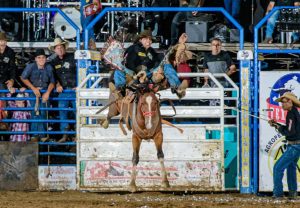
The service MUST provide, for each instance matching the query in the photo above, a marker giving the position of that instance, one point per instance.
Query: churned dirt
(77, 199)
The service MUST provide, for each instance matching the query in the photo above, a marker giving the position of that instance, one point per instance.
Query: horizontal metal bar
(33, 98)
(284, 51)
(37, 132)
(36, 121)
(58, 143)
(63, 165)
(42, 91)
(31, 109)
(68, 154)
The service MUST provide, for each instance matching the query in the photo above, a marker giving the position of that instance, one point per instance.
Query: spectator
(19, 114)
(233, 8)
(39, 76)
(218, 61)
(65, 75)
(7, 64)
(272, 20)
(7, 73)
(183, 16)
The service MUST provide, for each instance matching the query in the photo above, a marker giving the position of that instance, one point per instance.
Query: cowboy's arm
(230, 63)
(290, 128)
(35, 90)
(59, 88)
(50, 86)
(231, 70)
(206, 70)
(297, 3)
(206, 78)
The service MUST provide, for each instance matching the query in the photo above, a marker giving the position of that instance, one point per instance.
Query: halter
(147, 113)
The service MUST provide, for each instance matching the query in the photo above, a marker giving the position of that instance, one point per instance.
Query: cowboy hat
(39, 52)
(58, 41)
(290, 96)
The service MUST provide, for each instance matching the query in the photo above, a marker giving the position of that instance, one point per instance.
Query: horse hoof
(105, 124)
(132, 188)
(165, 184)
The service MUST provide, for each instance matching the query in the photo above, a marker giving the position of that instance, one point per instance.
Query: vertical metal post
(245, 122)
(255, 110)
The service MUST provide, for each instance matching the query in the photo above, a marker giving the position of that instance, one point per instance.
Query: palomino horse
(146, 124)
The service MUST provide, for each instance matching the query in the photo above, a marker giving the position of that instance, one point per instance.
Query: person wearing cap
(290, 157)
(39, 76)
(7, 64)
(65, 74)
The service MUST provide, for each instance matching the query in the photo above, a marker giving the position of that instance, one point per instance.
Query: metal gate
(194, 160)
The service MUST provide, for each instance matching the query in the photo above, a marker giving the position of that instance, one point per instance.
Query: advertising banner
(271, 147)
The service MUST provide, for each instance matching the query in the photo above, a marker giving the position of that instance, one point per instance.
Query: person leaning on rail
(290, 157)
(39, 76)
(64, 66)
(7, 73)
(218, 61)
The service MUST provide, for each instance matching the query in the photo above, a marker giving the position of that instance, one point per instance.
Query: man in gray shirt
(217, 61)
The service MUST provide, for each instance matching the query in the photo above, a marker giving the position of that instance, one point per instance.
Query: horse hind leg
(160, 155)
(136, 143)
(112, 111)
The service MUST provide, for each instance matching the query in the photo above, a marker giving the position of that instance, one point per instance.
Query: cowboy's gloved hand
(140, 74)
(273, 123)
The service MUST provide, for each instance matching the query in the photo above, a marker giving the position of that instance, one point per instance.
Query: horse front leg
(136, 143)
(158, 140)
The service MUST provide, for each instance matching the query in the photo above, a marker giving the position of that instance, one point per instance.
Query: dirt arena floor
(76, 199)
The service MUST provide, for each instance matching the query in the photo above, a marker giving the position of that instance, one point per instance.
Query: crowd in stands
(42, 77)
(56, 75)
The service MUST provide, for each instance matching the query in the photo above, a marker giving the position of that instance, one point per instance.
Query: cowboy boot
(182, 89)
(114, 91)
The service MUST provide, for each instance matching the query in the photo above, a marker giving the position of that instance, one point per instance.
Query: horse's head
(149, 108)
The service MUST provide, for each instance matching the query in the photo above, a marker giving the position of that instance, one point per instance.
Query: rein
(171, 104)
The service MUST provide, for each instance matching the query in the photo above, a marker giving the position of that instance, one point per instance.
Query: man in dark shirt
(290, 157)
(141, 56)
(272, 20)
(7, 64)
(39, 76)
(65, 74)
(217, 61)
